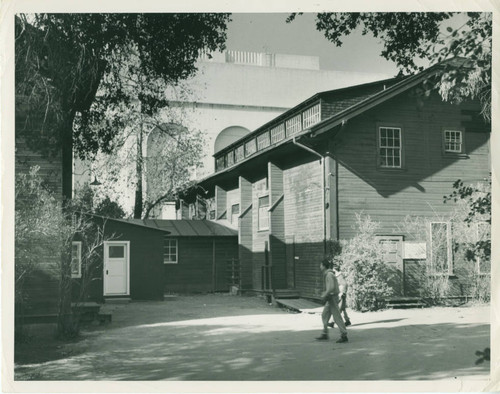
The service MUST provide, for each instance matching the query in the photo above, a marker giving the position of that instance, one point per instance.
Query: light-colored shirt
(331, 284)
(342, 282)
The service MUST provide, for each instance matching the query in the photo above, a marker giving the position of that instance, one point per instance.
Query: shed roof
(186, 228)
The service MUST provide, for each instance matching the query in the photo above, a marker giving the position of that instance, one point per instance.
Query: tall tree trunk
(139, 169)
(67, 325)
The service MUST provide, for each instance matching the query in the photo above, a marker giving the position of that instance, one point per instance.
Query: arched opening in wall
(228, 136)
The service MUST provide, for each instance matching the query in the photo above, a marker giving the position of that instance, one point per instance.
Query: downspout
(322, 163)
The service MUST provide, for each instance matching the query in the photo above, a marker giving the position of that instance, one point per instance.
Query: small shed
(197, 255)
(145, 259)
(131, 265)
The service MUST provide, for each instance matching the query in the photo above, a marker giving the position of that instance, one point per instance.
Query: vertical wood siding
(245, 234)
(146, 258)
(277, 228)
(304, 220)
(220, 201)
(260, 237)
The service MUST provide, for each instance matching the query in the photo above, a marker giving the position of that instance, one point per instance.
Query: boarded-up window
(392, 248)
(235, 213)
(440, 248)
(76, 259)
(277, 133)
(250, 147)
(170, 251)
(263, 141)
(390, 147)
(263, 219)
(293, 125)
(453, 141)
(311, 116)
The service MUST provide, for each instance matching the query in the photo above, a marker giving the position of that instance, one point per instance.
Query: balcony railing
(284, 130)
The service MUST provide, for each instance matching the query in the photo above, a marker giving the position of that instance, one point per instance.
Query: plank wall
(245, 233)
(389, 195)
(277, 227)
(304, 222)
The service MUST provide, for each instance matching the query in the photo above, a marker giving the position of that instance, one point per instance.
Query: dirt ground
(227, 338)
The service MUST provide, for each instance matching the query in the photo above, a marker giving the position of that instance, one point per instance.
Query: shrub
(361, 260)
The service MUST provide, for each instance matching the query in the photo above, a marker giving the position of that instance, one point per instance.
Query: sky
(269, 32)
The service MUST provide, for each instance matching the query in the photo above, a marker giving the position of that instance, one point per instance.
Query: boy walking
(342, 295)
(331, 298)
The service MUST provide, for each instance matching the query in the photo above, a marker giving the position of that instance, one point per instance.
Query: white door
(116, 267)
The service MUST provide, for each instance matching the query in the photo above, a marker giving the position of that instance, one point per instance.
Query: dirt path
(222, 337)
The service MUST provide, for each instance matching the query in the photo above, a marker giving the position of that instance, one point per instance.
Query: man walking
(331, 298)
(342, 295)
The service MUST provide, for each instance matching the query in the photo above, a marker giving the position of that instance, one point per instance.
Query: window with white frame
(453, 141)
(263, 213)
(170, 251)
(440, 248)
(483, 236)
(293, 125)
(390, 147)
(76, 259)
(311, 116)
(235, 213)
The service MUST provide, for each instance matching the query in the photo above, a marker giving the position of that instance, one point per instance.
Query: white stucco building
(232, 94)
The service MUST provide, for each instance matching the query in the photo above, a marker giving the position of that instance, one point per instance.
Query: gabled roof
(371, 101)
(185, 228)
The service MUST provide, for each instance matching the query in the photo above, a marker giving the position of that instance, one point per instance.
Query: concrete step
(408, 305)
(117, 300)
(404, 302)
(285, 294)
(300, 305)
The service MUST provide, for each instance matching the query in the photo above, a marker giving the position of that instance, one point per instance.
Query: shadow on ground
(269, 345)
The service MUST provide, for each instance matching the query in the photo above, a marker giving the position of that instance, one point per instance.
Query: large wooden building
(384, 149)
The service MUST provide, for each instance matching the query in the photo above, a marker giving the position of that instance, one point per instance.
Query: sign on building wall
(415, 250)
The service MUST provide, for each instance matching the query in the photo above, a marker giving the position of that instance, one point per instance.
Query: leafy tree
(64, 60)
(44, 233)
(361, 259)
(109, 209)
(408, 37)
